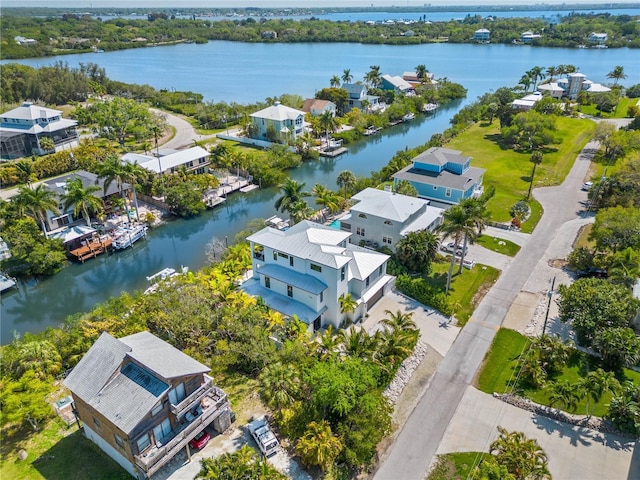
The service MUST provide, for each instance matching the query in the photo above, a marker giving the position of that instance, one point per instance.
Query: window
(283, 255)
(342, 274)
(96, 422)
(315, 267)
(143, 442)
(275, 255)
(177, 394)
(291, 261)
(380, 270)
(289, 291)
(448, 192)
(267, 282)
(156, 410)
(387, 240)
(362, 215)
(360, 231)
(388, 222)
(435, 187)
(162, 430)
(118, 440)
(321, 296)
(367, 281)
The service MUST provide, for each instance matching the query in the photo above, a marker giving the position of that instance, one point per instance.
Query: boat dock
(249, 188)
(333, 153)
(91, 248)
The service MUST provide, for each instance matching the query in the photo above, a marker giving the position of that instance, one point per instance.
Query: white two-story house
(277, 123)
(304, 270)
(382, 217)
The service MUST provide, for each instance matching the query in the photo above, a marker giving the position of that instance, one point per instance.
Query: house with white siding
(194, 159)
(277, 123)
(304, 270)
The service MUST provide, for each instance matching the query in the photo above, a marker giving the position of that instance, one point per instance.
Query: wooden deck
(91, 248)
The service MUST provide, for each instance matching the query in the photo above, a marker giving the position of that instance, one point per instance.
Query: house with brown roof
(317, 107)
(141, 400)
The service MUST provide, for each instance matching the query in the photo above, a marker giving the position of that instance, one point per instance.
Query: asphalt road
(185, 134)
(416, 444)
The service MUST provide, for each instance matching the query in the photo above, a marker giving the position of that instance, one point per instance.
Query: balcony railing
(158, 456)
(193, 399)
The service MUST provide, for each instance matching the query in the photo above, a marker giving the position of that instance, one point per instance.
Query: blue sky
(282, 3)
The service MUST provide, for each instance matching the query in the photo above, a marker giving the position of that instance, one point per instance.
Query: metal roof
(167, 162)
(441, 156)
(29, 111)
(278, 112)
(88, 179)
(365, 261)
(398, 82)
(387, 205)
(307, 240)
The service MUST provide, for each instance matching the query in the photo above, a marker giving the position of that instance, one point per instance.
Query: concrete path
(185, 133)
(417, 443)
(574, 453)
(519, 238)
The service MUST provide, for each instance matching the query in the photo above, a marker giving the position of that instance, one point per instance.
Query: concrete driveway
(435, 329)
(574, 453)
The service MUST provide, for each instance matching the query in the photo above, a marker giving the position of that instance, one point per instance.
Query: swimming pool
(335, 224)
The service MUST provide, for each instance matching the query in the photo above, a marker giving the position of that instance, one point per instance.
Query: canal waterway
(228, 71)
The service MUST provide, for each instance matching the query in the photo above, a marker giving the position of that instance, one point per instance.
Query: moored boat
(125, 237)
(408, 117)
(7, 282)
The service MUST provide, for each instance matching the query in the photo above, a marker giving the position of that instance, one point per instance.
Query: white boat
(277, 222)
(7, 282)
(430, 107)
(408, 117)
(125, 237)
(372, 130)
(164, 274)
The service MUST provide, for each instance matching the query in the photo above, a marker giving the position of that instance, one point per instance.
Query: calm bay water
(238, 72)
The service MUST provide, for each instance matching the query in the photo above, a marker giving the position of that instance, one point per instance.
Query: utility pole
(550, 294)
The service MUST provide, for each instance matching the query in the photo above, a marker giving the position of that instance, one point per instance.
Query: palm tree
(318, 446)
(523, 457)
(36, 203)
(358, 343)
(372, 77)
(399, 321)
(597, 383)
(346, 179)
(624, 268)
(347, 303)
(280, 384)
(525, 81)
(299, 210)
(292, 192)
(536, 73)
(536, 159)
(335, 81)
(327, 198)
(25, 171)
(617, 74)
(417, 250)
(457, 225)
(477, 215)
(421, 73)
(113, 170)
(564, 393)
(328, 122)
(346, 75)
(47, 144)
(552, 71)
(82, 199)
(328, 343)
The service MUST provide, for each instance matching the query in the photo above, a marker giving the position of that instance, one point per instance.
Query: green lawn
(619, 112)
(57, 452)
(506, 247)
(500, 369)
(455, 466)
(467, 289)
(510, 171)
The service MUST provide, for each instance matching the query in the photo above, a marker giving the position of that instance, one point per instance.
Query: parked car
(587, 186)
(264, 437)
(200, 440)
(592, 272)
(449, 247)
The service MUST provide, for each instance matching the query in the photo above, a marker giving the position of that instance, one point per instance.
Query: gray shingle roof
(123, 379)
(441, 156)
(278, 112)
(88, 179)
(307, 240)
(443, 179)
(29, 111)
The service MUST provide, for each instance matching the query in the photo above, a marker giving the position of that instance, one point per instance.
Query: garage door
(376, 296)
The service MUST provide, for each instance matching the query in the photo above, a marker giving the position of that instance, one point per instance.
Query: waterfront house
(414, 81)
(304, 271)
(598, 39)
(23, 128)
(527, 102)
(277, 123)
(58, 185)
(570, 86)
(382, 217)
(317, 107)
(194, 159)
(528, 36)
(442, 175)
(358, 98)
(396, 84)
(482, 35)
(141, 400)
